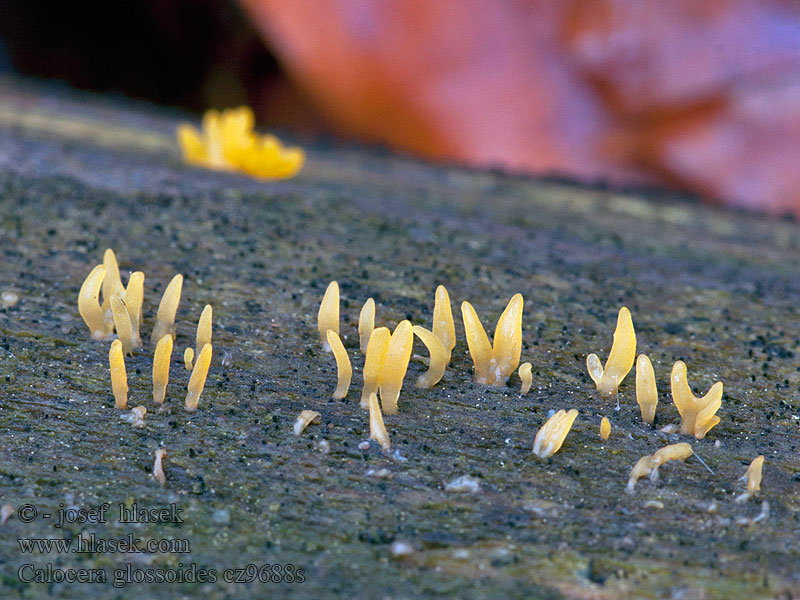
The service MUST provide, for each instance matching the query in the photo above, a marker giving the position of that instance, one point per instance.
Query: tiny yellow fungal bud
(698, 415)
(122, 323)
(158, 468)
(753, 479)
(165, 317)
(89, 303)
(342, 364)
(373, 362)
(135, 417)
(198, 378)
(161, 360)
(551, 435)
(644, 466)
(134, 297)
(188, 357)
(112, 283)
(443, 326)
(203, 336)
(646, 392)
(328, 317)
(494, 364)
(605, 428)
(526, 376)
(377, 430)
(366, 323)
(680, 451)
(439, 357)
(620, 359)
(119, 378)
(304, 419)
(398, 353)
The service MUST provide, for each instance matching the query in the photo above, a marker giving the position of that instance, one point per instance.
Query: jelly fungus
(605, 428)
(494, 364)
(551, 435)
(377, 429)
(161, 360)
(698, 415)
(119, 378)
(342, 364)
(373, 362)
(752, 477)
(328, 316)
(198, 378)
(165, 318)
(395, 364)
(439, 357)
(89, 303)
(620, 359)
(203, 336)
(646, 392)
(366, 323)
(526, 377)
(304, 419)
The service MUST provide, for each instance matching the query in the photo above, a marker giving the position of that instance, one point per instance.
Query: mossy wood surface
(717, 289)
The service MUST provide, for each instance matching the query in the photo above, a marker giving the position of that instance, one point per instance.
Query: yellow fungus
(203, 336)
(119, 378)
(112, 283)
(188, 357)
(398, 353)
(494, 364)
(526, 377)
(605, 428)
(198, 378)
(680, 451)
(644, 466)
(165, 318)
(134, 297)
(366, 323)
(697, 414)
(342, 364)
(646, 392)
(752, 477)
(551, 435)
(373, 362)
(439, 357)
(328, 316)
(158, 468)
(228, 142)
(443, 326)
(122, 323)
(620, 359)
(304, 419)
(89, 303)
(377, 429)
(161, 360)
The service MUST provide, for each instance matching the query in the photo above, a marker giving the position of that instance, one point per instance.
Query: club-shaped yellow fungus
(198, 378)
(439, 357)
(203, 336)
(443, 326)
(373, 362)
(158, 468)
(493, 365)
(328, 316)
(165, 317)
(342, 364)
(605, 428)
(122, 323)
(227, 142)
(646, 392)
(89, 303)
(161, 360)
(304, 419)
(698, 415)
(377, 429)
(119, 378)
(134, 297)
(366, 323)
(398, 353)
(188, 357)
(648, 465)
(112, 283)
(526, 376)
(620, 359)
(551, 435)
(753, 479)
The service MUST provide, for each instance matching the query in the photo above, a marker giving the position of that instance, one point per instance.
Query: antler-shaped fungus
(620, 359)
(697, 414)
(494, 363)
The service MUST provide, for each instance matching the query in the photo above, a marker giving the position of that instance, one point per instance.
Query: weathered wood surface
(717, 289)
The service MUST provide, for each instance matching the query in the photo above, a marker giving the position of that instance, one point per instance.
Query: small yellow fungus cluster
(648, 465)
(698, 415)
(495, 363)
(228, 142)
(752, 477)
(620, 359)
(551, 435)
